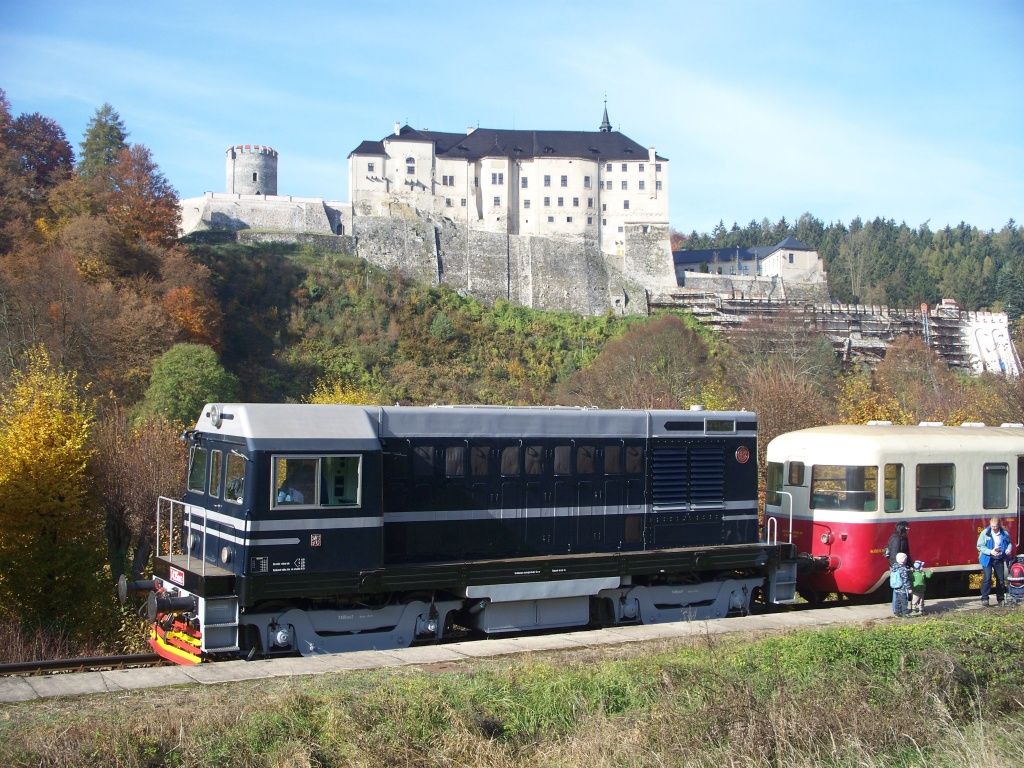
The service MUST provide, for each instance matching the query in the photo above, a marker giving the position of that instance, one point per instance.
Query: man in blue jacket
(994, 548)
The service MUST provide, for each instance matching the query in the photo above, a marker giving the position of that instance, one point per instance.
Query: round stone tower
(251, 169)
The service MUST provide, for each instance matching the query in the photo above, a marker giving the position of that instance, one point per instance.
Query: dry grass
(895, 694)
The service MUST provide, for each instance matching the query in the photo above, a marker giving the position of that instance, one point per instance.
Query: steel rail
(79, 664)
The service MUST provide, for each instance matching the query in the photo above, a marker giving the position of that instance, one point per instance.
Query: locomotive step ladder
(782, 583)
(219, 624)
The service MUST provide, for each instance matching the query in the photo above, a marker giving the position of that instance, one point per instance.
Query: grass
(940, 691)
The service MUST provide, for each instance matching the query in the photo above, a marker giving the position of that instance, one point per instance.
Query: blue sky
(908, 110)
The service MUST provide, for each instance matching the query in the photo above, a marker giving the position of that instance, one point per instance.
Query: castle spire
(606, 127)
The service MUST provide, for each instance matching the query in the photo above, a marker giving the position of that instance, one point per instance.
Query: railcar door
(537, 505)
(1020, 502)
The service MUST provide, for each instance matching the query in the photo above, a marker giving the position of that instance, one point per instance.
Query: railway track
(82, 664)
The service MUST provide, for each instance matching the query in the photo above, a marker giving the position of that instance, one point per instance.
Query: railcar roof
(825, 443)
(296, 426)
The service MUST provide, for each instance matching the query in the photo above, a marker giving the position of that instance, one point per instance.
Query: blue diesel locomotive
(325, 528)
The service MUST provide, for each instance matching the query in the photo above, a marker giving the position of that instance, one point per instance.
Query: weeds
(935, 692)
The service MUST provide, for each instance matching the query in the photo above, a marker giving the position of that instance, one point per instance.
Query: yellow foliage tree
(51, 539)
(335, 392)
(859, 403)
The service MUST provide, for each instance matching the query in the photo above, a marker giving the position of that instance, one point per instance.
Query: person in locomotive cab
(899, 581)
(994, 550)
(899, 541)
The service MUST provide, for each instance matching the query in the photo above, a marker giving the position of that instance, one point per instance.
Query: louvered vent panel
(707, 474)
(670, 484)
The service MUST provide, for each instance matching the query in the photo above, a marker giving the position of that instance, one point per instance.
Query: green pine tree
(104, 138)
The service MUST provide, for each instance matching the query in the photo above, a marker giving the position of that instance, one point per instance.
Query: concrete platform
(19, 689)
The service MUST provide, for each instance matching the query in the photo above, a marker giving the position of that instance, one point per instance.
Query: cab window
(234, 483)
(215, 457)
(197, 469)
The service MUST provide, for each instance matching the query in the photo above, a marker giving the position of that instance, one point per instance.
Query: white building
(544, 183)
(788, 259)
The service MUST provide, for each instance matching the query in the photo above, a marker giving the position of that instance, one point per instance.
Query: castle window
(410, 166)
(551, 219)
(791, 258)
(561, 202)
(608, 167)
(604, 222)
(575, 202)
(641, 168)
(523, 182)
(497, 178)
(590, 202)
(608, 184)
(463, 202)
(620, 229)
(254, 175)
(565, 181)
(526, 203)
(625, 204)
(604, 207)
(623, 167)
(476, 181)
(590, 219)
(369, 167)
(448, 181)
(625, 185)
(547, 181)
(642, 185)
(547, 202)
(657, 167)
(568, 219)
(657, 185)
(586, 182)
(497, 202)
(448, 202)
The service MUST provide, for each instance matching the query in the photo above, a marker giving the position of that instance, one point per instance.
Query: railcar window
(510, 460)
(613, 459)
(294, 482)
(423, 460)
(215, 457)
(835, 486)
(773, 484)
(480, 460)
(634, 459)
(994, 486)
(234, 485)
(455, 461)
(339, 480)
(935, 486)
(563, 459)
(719, 425)
(534, 460)
(396, 462)
(796, 473)
(893, 487)
(197, 469)
(585, 460)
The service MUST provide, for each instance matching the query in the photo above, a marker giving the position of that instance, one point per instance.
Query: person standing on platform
(994, 550)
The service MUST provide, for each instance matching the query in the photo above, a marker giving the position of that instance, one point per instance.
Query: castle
(564, 220)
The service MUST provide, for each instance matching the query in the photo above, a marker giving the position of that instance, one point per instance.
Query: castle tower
(251, 169)
(606, 127)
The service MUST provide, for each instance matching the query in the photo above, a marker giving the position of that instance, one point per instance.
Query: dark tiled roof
(494, 142)
(726, 255)
(792, 244)
(369, 148)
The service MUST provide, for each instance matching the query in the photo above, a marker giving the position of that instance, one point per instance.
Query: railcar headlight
(225, 555)
(826, 538)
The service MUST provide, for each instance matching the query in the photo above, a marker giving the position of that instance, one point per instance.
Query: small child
(899, 580)
(918, 578)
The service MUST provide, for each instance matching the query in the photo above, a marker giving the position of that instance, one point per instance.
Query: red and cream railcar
(840, 490)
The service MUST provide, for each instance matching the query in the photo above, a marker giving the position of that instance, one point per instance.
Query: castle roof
(496, 142)
(792, 244)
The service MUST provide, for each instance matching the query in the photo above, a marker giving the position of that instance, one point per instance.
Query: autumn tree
(143, 205)
(132, 466)
(184, 379)
(917, 379)
(104, 139)
(661, 364)
(336, 392)
(49, 533)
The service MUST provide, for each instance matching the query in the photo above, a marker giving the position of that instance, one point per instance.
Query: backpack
(895, 580)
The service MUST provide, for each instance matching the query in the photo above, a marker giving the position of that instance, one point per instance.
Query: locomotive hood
(287, 427)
